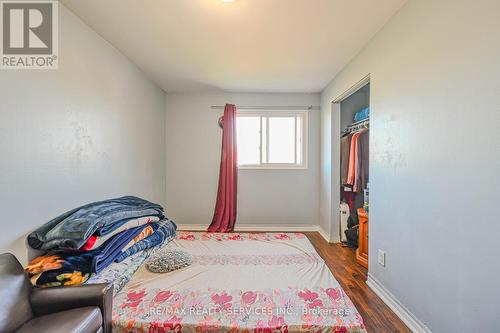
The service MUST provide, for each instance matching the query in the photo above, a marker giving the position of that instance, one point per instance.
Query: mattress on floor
(262, 282)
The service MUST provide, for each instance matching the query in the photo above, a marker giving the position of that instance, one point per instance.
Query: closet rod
(273, 107)
(357, 125)
(359, 122)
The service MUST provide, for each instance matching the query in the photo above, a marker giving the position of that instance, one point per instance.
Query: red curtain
(225, 207)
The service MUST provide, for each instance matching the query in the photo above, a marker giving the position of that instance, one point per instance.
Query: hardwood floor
(377, 316)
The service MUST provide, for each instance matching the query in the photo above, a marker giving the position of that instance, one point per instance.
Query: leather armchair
(23, 309)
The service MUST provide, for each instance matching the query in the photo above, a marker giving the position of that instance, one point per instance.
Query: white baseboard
(255, 227)
(192, 227)
(262, 228)
(413, 323)
(323, 233)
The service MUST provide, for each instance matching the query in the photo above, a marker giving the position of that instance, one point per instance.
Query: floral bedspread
(261, 283)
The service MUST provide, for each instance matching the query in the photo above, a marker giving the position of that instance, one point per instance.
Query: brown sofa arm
(56, 299)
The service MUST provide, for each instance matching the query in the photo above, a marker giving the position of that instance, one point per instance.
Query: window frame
(303, 114)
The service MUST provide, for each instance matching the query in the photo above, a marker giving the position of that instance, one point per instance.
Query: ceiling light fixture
(227, 1)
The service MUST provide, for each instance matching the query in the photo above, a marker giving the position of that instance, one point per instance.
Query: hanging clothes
(361, 177)
(353, 158)
(345, 146)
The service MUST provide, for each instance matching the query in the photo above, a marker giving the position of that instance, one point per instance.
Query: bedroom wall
(92, 129)
(435, 156)
(265, 197)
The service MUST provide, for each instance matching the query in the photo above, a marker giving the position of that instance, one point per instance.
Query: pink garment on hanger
(353, 158)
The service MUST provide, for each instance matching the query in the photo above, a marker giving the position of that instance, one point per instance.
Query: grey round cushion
(169, 260)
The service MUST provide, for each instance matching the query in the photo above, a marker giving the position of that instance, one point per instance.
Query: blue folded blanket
(108, 228)
(109, 251)
(72, 229)
(73, 268)
(165, 229)
(362, 114)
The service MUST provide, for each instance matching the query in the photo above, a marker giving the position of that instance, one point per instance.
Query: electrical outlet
(381, 257)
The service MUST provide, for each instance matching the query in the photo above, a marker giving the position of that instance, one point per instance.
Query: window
(272, 139)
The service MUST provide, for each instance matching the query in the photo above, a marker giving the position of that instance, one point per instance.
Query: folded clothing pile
(88, 239)
(362, 114)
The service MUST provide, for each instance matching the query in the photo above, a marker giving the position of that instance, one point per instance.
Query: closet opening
(353, 177)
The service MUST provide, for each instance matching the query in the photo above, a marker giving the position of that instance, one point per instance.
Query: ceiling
(246, 45)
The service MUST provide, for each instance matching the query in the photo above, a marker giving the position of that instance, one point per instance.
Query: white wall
(265, 197)
(93, 129)
(434, 160)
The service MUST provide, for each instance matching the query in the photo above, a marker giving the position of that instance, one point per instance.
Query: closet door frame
(335, 156)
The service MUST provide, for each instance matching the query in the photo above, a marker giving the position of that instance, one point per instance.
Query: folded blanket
(146, 232)
(120, 273)
(95, 240)
(362, 114)
(72, 268)
(108, 252)
(72, 229)
(125, 224)
(163, 230)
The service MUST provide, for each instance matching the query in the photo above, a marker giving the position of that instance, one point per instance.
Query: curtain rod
(271, 107)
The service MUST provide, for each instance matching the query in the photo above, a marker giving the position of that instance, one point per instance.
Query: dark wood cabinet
(362, 251)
